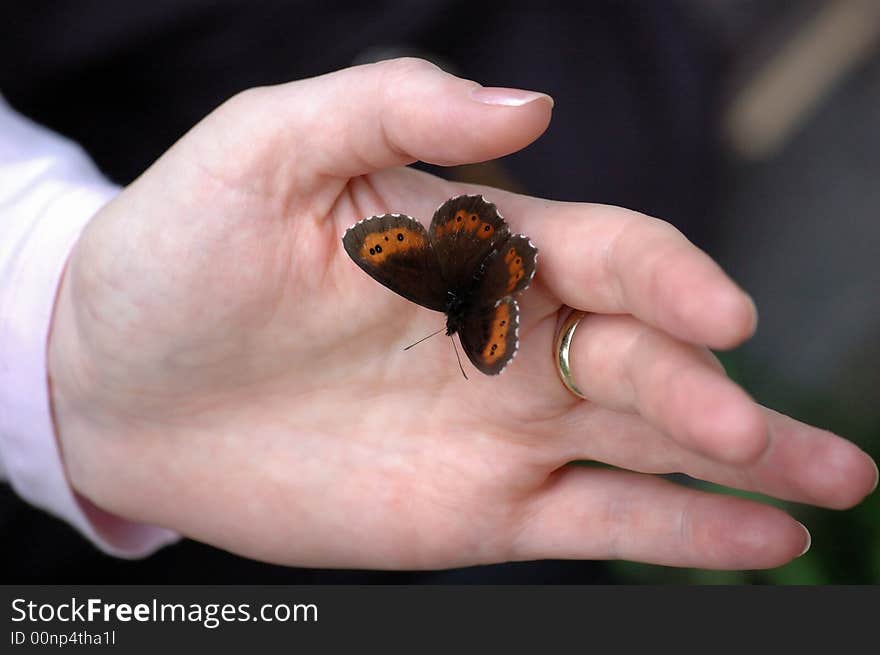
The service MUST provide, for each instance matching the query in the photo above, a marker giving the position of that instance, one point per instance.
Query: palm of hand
(257, 337)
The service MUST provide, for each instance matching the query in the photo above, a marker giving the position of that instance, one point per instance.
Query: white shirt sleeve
(49, 189)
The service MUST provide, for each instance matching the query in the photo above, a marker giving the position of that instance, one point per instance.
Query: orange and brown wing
(490, 338)
(490, 330)
(394, 250)
(464, 231)
(508, 272)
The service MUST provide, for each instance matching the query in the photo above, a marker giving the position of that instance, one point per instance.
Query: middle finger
(611, 260)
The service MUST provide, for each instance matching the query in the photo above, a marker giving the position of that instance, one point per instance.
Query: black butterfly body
(467, 265)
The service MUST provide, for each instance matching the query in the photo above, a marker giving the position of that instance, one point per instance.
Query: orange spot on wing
(379, 246)
(515, 269)
(484, 231)
(497, 335)
(456, 223)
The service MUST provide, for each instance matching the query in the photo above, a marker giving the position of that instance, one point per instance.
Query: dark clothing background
(634, 85)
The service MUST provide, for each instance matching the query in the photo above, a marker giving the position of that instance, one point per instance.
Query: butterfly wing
(490, 337)
(394, 250)
(489, 331)
(508, 272)
(463, 232)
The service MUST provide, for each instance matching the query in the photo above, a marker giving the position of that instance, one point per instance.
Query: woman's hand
(221, 367)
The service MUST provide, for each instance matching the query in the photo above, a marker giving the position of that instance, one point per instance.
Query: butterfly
(467, 265)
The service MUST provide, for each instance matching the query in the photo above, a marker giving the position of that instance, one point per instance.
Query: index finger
(605, 259)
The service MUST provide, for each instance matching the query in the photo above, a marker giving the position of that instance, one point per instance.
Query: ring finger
(623, 364)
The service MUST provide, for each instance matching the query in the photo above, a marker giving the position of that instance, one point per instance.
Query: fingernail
(496, 95)
(754, 314)
(809, 540)
(876, 476)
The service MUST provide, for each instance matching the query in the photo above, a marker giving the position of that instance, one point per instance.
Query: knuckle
(247, 99)
(405, 66)
(614, 522)
(637, 363)
(395, 76)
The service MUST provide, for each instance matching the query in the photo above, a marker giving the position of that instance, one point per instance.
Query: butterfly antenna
(424, 338)
(458, 358)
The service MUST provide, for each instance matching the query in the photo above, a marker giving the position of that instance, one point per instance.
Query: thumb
(367, 118)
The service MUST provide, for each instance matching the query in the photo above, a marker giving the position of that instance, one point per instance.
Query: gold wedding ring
(563, 350)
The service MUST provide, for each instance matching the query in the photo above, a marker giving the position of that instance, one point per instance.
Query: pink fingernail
(809, 540)
(496, 95)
